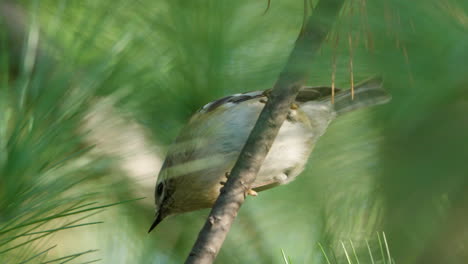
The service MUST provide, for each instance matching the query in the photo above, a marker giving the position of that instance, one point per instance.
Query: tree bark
(292, 78)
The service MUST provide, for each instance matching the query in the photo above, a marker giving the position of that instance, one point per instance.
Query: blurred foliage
(399, 168)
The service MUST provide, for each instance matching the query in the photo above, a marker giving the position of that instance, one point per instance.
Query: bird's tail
(367, 93)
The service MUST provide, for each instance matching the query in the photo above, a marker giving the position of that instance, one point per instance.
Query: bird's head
(181, 194)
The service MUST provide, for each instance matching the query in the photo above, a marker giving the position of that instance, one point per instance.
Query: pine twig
(243, 174)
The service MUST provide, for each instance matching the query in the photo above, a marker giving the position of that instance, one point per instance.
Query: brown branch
(243, 174)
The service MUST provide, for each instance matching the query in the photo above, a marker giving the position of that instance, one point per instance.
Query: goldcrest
(197, 164)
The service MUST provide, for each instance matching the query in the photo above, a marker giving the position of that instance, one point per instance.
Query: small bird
(198, 162)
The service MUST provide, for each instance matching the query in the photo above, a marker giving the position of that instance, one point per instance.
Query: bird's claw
(252, 192)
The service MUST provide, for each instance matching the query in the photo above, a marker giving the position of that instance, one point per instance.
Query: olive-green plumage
(208, 146)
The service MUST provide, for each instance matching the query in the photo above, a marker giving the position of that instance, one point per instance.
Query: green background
(387, 184)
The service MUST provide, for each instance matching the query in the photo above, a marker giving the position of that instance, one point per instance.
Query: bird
(198, 163)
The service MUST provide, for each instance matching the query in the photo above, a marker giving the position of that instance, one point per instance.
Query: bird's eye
(159, 189)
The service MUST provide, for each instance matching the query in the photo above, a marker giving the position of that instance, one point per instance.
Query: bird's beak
(158, 218)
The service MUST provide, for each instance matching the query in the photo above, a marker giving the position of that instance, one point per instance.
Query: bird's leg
(267, 93)
(226, 175)
(250, 192)
(265, 99)
(292, 114)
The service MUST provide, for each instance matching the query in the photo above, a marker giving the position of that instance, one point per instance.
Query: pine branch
(243, 174)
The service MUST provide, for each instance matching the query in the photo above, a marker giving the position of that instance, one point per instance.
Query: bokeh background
(92, 93)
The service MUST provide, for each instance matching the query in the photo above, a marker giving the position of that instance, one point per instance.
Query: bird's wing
(314, 93)
(232, 100)
(262, 186)
(305, 94)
